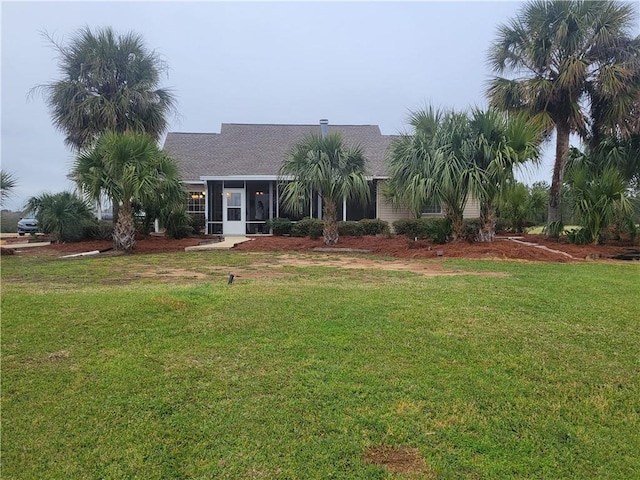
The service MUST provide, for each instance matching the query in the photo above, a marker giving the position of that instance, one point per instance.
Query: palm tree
(426, 167)
(598, 197)
(60, 214)
(323, 165)
(575, 69)
(7, 184)
(521, 206)
(498, 144)
(452, 155)
(130, 169)
(621, 153)
(412, 159)
(109, 82)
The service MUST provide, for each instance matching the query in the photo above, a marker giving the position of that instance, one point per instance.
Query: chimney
(324, 127)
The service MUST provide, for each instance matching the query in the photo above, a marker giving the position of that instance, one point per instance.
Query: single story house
(232, 176)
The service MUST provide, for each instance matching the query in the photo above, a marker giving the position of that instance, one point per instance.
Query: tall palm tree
(109, 82)
(60, 214)
(324, 165)
(129, 168)
(575, 68)
(7, 184)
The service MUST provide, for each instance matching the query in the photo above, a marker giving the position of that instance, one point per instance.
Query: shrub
(199, 223)
(554, 229)
(503, 225)
(307, 227)
(471, 227)
(374, 226)
(179, 224)
(279, 225)
(350, 229)
(437, 230)
(412, 227)
(579, 236)
(60, 214)
(95, 229)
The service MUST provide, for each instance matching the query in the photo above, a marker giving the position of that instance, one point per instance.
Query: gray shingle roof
(259, 149)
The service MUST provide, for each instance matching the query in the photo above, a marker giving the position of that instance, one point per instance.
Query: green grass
(153, 367)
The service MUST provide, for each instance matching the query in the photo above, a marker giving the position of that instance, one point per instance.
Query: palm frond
(109, 82)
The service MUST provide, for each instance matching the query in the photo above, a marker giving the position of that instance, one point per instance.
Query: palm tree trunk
(555, 192)
(487, 223)
(457, 223)
(124, 232)
(329, 215)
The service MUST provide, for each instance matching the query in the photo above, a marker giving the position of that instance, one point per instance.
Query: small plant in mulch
(417, 243)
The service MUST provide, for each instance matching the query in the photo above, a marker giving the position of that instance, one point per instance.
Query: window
(432, 209)
(357, 211)
(292, 215)
(196, 202)
(196, 209)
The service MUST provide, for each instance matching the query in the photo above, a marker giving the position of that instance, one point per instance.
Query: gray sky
(266, 62)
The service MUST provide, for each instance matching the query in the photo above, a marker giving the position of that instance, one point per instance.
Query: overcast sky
(265, 62)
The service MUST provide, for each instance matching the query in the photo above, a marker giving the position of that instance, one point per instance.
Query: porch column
(270, 199)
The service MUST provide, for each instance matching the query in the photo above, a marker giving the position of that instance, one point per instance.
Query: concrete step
(229, 242)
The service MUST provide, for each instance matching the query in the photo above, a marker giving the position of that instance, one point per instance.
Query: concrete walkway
(14, 242)
(543, 247)
(229, 242)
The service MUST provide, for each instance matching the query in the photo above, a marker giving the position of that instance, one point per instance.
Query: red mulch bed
(394, 246)
(402, 247)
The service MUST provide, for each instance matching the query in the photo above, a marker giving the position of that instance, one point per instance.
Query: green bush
(350, 229)
(554, 229)
(60, 214)
(179, 224)
(412, 227)
(307, 227)
(471, 228)
(374, 226)
(95, 229)
(280, 226)
(504, 225)
(438, 230)
(579, 236)
(199, 222)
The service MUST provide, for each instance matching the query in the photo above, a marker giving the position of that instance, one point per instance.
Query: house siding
(386, 211)
(471, 209)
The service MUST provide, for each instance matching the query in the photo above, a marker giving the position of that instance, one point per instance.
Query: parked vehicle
(27, 225)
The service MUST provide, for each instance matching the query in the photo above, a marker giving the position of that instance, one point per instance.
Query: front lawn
(154, 367)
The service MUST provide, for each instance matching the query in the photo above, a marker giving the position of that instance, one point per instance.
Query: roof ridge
(193, 133)
(303, 124)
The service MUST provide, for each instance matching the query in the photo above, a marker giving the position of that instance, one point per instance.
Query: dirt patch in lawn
(214, 272)
(430, 269)
(399, 460)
